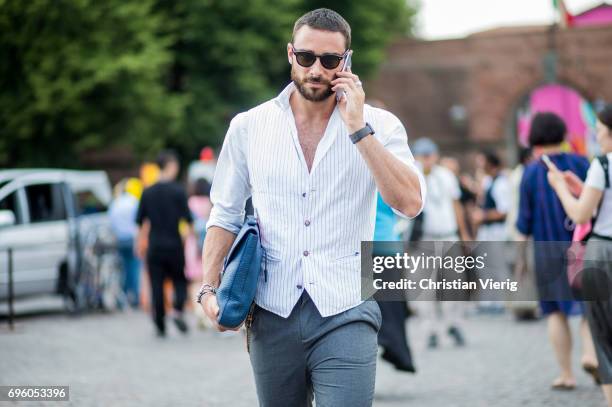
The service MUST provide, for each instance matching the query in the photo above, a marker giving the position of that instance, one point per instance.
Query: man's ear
(289, 55)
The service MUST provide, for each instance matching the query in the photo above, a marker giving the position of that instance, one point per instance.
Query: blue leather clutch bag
(241, 269)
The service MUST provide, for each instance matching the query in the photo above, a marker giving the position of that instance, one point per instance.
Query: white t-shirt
(596, 179)
(439, 213)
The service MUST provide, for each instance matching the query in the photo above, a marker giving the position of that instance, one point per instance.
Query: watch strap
(361, 133)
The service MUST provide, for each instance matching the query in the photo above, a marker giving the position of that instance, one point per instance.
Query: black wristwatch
(359, 134)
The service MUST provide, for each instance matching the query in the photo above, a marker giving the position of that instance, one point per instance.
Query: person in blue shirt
(122, 215)
(392, 335)
(541, 215)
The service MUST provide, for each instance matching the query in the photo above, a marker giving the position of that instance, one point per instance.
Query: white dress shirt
(311, 223)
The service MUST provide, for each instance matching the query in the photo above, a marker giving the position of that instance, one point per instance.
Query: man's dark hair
(491, 158)
(605, 116)
(547, 129)
(324, 19)
(165, 157)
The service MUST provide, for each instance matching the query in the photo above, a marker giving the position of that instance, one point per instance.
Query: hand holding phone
(345, 67)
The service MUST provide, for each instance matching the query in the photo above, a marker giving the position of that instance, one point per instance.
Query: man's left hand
(351, 103)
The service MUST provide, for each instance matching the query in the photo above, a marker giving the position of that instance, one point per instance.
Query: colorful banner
(578, 114)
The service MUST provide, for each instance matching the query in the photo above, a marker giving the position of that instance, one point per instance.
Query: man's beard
(312, 94)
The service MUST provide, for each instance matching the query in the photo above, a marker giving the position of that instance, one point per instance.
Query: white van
(46, 216)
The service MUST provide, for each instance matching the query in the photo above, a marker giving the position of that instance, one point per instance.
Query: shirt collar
(282, 100)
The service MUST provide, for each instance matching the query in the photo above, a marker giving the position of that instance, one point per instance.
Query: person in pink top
(200, 206)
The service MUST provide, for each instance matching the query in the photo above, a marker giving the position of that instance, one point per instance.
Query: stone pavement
(115, 360)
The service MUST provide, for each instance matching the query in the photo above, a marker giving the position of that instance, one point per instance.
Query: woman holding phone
(542, 217)
(595, 195)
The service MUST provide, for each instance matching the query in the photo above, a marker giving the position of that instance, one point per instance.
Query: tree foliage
(78, 75)
(82, 74)
(228, 57)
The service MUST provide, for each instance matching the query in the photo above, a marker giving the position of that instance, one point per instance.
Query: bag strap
(605, 164)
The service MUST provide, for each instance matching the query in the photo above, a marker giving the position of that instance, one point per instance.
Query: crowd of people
(160, 230)
(551, 196)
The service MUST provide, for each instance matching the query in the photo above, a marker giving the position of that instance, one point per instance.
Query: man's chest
(309, 136)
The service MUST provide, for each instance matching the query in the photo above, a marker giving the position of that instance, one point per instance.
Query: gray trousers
(332, 359)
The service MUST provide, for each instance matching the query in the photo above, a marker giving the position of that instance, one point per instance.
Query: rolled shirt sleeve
(595, 176)
(231, 186)
(395, 140)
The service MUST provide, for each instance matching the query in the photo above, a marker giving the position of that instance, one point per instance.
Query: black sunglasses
(308, 58)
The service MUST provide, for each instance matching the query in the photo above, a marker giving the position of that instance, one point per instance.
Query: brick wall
(488, 74)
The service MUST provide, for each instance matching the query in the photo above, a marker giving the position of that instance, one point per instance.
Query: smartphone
(547, 161)
(345, 67)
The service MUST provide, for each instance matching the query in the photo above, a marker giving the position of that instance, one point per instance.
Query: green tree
(82, 74)
(228, 57)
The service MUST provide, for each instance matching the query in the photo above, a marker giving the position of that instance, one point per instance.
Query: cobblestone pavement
(115, 360)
